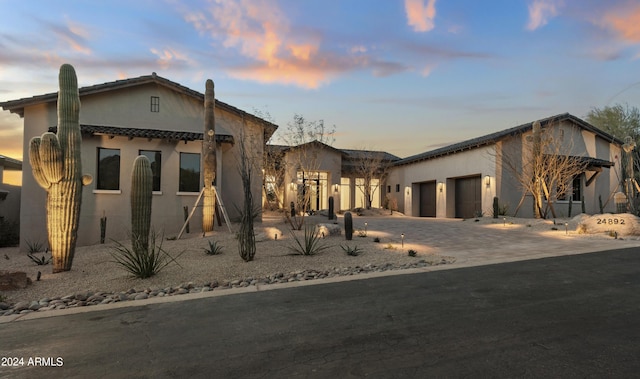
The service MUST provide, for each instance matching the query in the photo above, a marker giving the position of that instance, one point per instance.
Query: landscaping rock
(13, 280)
(622, 224)
(328, 229)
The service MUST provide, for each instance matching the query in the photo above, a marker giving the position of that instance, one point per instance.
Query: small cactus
(331, 215)
(141, 195)
(570, 206)
(348, 226)
(56, 165)
(496, 207)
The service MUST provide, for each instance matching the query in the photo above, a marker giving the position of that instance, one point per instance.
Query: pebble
(87, 298)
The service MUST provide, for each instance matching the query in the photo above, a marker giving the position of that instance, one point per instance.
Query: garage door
(468, 200)
(428, 199)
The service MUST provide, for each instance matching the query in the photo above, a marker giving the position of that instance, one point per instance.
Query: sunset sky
(404, 76)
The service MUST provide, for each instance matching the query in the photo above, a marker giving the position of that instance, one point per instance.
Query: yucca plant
(412, 253)
(312, 242)
(352, 251)
(143, 263)
(214, 248)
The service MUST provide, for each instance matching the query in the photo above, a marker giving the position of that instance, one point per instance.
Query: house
(461, 180)
(147, 115)
(9, 194)
(317, 171)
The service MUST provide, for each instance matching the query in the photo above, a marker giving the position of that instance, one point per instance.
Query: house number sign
(610, 221)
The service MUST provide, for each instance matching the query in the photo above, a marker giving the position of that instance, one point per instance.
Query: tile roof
(494, 137)
(17, 106)
(349, 154)
(147, 133)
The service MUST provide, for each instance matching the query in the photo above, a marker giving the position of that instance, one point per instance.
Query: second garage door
(468, 197)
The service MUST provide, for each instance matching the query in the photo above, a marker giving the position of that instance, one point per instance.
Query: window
(189, 172)
(155, 158)
(108, 169)
(397, 187)
(155, 104)
(577, 188)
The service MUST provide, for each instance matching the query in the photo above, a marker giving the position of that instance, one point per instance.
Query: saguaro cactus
(141, 194)
(56, 165)
(209, 158)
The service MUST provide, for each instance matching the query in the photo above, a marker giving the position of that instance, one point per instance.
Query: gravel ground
(94, 270)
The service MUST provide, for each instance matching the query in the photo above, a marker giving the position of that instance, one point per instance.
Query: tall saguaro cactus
(56, 165)
(209, 158)
(141, 197)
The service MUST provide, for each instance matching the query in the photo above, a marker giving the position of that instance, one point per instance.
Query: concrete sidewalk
(488, 241)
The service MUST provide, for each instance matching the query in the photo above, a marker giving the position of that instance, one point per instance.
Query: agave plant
(312, 242)
(143, 263)
(214, 248)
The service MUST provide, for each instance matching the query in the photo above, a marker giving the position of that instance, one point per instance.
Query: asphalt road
(571, 316)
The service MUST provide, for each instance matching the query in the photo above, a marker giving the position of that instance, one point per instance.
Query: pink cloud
(420, 16)
(540, 11)
(261, 32)
(625, 23)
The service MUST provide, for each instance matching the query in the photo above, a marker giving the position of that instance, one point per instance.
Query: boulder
(624, 224)
(13, 280)
(328, 229)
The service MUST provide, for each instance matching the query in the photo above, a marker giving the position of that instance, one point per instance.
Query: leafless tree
(303, 141)
(543, 169)
(368, 166)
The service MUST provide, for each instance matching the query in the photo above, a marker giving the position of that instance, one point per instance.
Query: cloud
(625, 23)
(420, 16)
(261, 33)
(540, 11)
(72, 34)
(169, 57)
(272, 51)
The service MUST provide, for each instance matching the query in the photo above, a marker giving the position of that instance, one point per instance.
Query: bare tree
(543, 169)
(301, 155)
(369, 166)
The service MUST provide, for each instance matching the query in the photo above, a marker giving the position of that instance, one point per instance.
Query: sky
(403, 76)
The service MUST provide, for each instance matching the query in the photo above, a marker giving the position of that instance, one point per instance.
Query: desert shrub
(213, 249)
(412, 253)
(40, 261)
(582, 229)
(311, 244)
(377, 240)
(143, 263)
(352, 251)
(34, 246)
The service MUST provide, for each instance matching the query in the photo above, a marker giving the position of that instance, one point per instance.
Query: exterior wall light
(293, 186)
(336, 188)
(440, 186)
(487, 180)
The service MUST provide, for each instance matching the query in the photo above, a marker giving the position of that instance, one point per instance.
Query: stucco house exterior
(462, 179)
(147, 115)
(324, 171)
